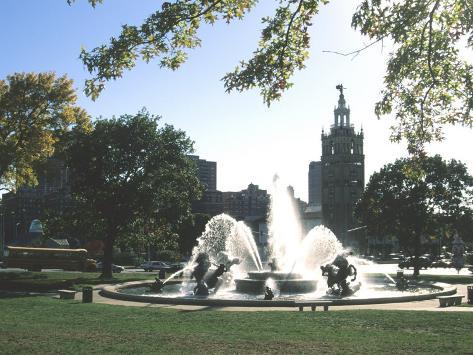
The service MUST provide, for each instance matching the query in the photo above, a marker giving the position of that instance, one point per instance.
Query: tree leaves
(394, 203)
(283, 49)
(130, 170)
(166, 34)
(35, 111)
(428, 82)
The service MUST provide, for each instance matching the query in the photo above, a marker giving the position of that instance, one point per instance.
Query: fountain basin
(285, 282)
(122, 292)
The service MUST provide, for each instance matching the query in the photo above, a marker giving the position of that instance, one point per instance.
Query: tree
(394, 203)
(35, 111)
(73, 222)
(428, 81)
(132, 174)
(190, 231)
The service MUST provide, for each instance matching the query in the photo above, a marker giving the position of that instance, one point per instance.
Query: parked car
(424, 262)
(115, 268)
(156, 265)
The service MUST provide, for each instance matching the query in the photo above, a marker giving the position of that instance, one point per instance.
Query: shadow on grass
(44, 282)
(9, 295)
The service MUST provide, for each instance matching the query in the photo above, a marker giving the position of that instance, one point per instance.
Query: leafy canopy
(35, 111)
(428, 82)
(394, 203)
(134, 175)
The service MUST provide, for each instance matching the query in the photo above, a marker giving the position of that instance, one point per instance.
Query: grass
(47, 325)
(51, 281)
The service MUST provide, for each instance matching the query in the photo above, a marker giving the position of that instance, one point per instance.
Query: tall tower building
(207, 171)
(343, 171)
(315, 183)
(211, 201)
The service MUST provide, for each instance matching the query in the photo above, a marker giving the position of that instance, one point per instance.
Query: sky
(249, 141)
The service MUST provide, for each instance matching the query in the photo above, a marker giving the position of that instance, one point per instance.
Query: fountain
(227, 269)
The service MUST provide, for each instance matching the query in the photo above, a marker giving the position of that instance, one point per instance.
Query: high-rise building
(211, 201)
(207, 171)
(315, 183)
(343, 171)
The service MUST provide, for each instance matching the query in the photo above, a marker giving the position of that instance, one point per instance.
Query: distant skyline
(249, 141)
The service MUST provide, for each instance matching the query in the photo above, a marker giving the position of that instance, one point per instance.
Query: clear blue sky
(249, 141)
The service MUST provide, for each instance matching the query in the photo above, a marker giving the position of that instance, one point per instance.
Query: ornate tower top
(341, 98)
(342, 112)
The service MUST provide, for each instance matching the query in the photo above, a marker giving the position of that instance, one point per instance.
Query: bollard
(87, 294)
(470, 294)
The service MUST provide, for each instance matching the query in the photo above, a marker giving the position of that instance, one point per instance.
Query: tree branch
(288, 31)
(429, 53)
(358, 51)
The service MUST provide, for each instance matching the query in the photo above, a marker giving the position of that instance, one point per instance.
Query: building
(312, 217)
(343, 172)
(20, 208)
(211, 202)
(207, 171)
(315, 183)
(299, 205)
(252, 202)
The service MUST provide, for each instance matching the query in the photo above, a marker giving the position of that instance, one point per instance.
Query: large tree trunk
(107, 258)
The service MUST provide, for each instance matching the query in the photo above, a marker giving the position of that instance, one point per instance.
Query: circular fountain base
(137, 291)
(285, 282)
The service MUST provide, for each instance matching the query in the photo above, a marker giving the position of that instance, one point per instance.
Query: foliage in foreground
(428, 81)
(56, 326)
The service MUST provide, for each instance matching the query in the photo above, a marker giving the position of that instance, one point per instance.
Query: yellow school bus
(36, 259)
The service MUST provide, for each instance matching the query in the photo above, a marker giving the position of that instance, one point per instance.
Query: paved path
(428, 305)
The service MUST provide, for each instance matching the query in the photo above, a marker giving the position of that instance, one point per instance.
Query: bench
(66, 294)
(312, 304)
(447, 301)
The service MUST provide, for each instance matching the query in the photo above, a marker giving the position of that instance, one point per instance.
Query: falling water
(240, 242)
(224, 237)
(319, 247)
(285, 232)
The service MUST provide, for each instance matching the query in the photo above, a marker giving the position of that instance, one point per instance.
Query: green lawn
(47, 325)
(51, 281)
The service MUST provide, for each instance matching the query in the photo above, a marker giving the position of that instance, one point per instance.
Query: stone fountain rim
(113, 291)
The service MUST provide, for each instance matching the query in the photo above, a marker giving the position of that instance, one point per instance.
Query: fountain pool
(226, 268)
